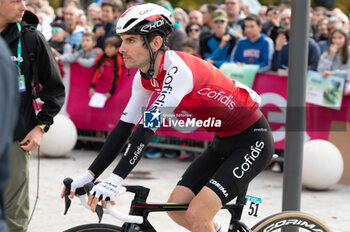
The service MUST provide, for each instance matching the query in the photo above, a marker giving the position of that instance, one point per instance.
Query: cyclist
(242, 145)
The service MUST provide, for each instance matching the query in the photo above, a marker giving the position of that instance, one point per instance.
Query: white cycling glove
(80, 181)
(110, 189)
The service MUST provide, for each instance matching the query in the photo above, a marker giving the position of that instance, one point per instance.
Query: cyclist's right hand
(78, 182)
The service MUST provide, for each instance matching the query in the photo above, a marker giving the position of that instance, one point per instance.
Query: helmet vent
(129, 22)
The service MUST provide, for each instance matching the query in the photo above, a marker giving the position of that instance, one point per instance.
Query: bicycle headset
(143, 20)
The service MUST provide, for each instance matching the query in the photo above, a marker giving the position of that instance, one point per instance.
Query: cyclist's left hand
(108, 190)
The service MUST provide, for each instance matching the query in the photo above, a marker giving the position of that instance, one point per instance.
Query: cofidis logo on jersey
(152, 119)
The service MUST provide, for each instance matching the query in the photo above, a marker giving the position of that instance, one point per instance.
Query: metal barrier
(157, 141)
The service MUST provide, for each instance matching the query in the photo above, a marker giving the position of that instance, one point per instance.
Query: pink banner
(86, 117)
(272, 88)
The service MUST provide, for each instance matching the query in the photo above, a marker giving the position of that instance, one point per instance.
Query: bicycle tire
(290, 219)
(95, 228)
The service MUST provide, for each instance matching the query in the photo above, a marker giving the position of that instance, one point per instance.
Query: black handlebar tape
(80, 191)
(67, 183)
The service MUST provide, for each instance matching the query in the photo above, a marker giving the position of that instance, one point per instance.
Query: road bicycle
(136, 220)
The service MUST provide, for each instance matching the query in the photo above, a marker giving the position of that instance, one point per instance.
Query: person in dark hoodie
(14, 22)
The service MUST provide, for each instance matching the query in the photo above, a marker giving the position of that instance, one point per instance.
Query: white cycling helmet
(144, 19)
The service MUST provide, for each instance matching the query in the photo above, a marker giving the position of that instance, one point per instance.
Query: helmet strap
(153, 57)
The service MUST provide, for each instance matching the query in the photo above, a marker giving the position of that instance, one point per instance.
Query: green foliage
(193, 4)
(343, 5)
(55, 3)
(269, 2)
(188, 4)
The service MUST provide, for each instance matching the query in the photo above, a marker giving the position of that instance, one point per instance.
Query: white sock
(219, 229)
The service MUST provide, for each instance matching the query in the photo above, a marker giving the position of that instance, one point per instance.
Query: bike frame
(140, 207)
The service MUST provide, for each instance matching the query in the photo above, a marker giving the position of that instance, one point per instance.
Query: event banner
(347, 85)
(271, 87)
(273, 91)
(242, 73)
(92, 118)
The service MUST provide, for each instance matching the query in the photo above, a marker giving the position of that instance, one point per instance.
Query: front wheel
(95, 228)
(290, 219)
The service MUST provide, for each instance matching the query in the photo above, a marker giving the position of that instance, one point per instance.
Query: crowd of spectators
(244, 32)
(239, 31)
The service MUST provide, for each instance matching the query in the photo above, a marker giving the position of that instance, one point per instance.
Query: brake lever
(99, 209)
(67, 183)
(67, 201)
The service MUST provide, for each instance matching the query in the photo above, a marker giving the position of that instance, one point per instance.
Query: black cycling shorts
(229, 164)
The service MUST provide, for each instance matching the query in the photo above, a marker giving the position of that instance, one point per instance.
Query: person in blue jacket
(255, 47)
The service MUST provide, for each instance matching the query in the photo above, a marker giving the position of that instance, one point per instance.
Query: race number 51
(253, 203)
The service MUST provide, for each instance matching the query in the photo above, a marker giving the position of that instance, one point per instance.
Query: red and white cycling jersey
(187, 83)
